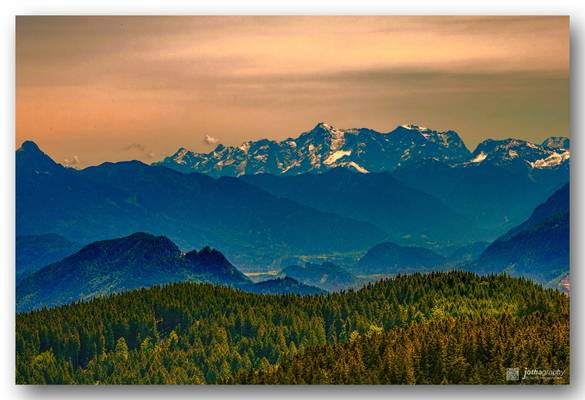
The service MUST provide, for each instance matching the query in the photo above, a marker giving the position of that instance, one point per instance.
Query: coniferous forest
(436, 328)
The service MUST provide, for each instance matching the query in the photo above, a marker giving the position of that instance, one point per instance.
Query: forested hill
(201, 333)
(448, 350)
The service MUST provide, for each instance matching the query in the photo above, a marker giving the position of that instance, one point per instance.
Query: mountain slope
(493, 197)
(140, 260)
(284, 285)
(537, 248)
(36, 251)
(326, 276)
(404, 355)
(407, 214)
(323, 148)
(203, 333)
(109, 266)
(115, 199)
(389, 259)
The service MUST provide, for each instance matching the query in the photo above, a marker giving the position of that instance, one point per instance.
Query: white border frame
(8, 10)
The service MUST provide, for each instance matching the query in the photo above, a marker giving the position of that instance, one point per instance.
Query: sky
(96, 89)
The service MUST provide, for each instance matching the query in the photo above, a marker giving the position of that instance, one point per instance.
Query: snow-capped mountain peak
(521, 153)
(557, 142)
(415, 127)
(364, 150)
(179, 156)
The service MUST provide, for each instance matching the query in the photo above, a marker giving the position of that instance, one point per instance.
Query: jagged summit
(323, 125)
(557, 142)
(325, 147)
(414, 127)
(523, 154)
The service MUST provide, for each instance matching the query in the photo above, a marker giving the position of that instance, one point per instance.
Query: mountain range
(493, 196)
(251, 226)
(437, 195)
(136, 261)
(538, 248)
(405, 214)
(365, 150)
(493, 188)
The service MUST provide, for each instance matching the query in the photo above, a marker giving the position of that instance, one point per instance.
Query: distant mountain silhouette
(36, 251)
(284, 285)
(408, 215)
(135, 261)
(326, 276)
(104, 267)
(537, 248)
(389, 259)
(115, 199)
(493, 197)
(465, 254)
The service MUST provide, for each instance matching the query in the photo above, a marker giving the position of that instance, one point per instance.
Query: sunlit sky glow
(94, 89)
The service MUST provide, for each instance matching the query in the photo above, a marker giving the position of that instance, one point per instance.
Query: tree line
(201, 333)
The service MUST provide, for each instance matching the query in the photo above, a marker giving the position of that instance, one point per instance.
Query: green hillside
(201, 333)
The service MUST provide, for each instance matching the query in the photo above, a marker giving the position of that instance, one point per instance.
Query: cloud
(210, 140)
(140, 148)
(72, 162)
(135, 146)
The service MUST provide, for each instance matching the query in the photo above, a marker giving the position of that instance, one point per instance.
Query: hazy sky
(94, 89)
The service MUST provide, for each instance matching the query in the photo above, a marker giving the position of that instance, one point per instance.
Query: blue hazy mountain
(467, 253)
(136, 261)
(389, 259)
(325, 147)
(115, 199)
(326, 276)
(35, 251)
(538, 248)
(283, 285)
(495, 187)
(495, 193)
(408, 215)
(439, 195)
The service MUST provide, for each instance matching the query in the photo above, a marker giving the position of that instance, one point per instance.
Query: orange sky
(94, 89)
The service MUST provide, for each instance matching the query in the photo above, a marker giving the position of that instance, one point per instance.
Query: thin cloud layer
(210, 140)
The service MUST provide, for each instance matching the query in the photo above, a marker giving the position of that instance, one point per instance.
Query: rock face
(364, 150)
